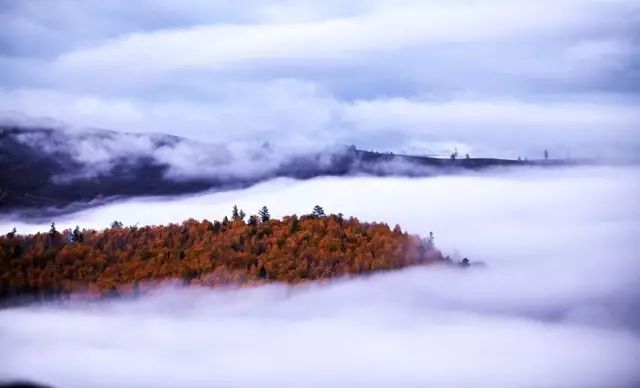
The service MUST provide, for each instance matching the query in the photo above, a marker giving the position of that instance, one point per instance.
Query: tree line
(126, 259)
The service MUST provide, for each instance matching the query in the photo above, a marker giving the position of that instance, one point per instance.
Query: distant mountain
(44, 170)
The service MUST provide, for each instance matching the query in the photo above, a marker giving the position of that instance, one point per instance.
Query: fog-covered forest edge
(231, 252)
(52, 171)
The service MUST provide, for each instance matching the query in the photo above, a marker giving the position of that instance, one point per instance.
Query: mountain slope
(60, 171)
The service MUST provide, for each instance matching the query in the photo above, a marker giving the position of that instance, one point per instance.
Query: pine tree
(234, 213)
(116, 225)
(242, 214)
(53, 232)
(77, 235)
(12, 234)
(264, 214)
(295, 224)
(430, 240)
(318, 211)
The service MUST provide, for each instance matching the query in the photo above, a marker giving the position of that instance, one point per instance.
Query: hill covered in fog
(44, 168)
(219, 253)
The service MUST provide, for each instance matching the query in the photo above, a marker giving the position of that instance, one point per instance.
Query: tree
(242, 214)
(264, 214)
(318, 212)
(116, 225)
(467, 156)
(293, 249)
(12, 234)
(53, 232)
(225, 221)
(77, 235)
(546, 154)
(430, 239)
(234, 213)
(295, 224)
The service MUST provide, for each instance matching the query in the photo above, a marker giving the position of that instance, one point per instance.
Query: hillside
(47, 171)
(126, 259)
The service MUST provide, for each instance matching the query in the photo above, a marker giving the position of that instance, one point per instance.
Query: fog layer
(557, 304)
(412, 76)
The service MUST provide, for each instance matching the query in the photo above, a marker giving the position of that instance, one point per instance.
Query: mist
(101, 103)
(556, 305)
(499, 78)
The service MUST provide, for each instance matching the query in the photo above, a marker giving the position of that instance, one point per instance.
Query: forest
(123, 260)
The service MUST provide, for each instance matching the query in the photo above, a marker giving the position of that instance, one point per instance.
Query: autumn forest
(234, 251)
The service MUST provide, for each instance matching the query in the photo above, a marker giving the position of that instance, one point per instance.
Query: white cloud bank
(381, 29)
(483, 74)
(556, 306)
(296, 114)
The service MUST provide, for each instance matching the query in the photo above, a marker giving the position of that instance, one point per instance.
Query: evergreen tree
(264, 214)
(77, 235)
(295, 224)
(242, 214)
(12, 234)
(430, 240)
(225, 221)
(53, 232)
(318, 211)
(253, 220)
(116, 225)
(234, 213)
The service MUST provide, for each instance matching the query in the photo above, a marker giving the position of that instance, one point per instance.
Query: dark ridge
(22, 384)
(42, 178)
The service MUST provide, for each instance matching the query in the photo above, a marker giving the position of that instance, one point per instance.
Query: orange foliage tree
(122, 259)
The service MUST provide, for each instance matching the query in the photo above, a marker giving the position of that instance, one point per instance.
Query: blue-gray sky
(486, 76)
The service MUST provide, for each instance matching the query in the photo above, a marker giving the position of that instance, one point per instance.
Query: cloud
(293, 114)
(581, 126)
(557, 304)
(307, 72)
(384, 29)
(270, 337)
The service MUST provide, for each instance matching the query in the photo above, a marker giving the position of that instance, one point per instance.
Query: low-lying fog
(557, 305)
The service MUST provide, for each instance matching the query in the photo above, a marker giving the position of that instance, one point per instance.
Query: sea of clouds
(556, 305)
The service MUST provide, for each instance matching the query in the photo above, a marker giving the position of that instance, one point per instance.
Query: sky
(489, 77)
(557, 303)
